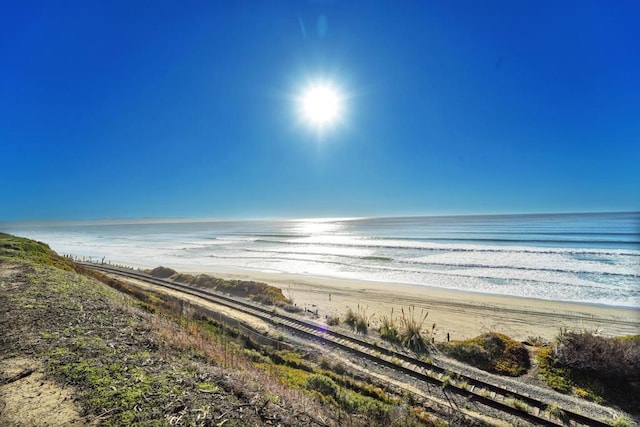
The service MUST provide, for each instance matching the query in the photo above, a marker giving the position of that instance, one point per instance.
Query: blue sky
(112, 109)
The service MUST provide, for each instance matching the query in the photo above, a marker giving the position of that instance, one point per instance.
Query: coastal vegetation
(492, 352)
(358, 320)
(389, 329)
(406, 330)
(411, 327)
(604, 370)
(15, 248)
(333, 320)
(256, 291)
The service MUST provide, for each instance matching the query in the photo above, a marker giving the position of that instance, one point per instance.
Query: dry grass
(358, 320)
(389, 329)
(411, 335)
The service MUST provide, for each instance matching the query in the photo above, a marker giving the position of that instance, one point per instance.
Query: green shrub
(377, 412)
(339, 368)
(323, 385)
(621, 421)
(554, 411)
(554, 375)
(492, 352)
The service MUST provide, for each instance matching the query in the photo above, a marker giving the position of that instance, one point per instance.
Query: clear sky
(186, 108)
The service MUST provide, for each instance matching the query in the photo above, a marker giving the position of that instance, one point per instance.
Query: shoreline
(459, 314)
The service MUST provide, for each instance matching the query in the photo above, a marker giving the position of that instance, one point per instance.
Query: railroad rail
(505, 400)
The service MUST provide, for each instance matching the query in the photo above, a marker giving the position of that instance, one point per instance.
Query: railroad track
(505, 400)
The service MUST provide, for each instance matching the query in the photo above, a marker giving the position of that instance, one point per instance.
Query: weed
(518, 404)
(554, 411)
(588, 394)
(446, 380)
(333, 320)
(621, 421)
(322, 384)
(208, 387)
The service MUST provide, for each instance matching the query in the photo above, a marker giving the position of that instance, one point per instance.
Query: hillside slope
(93, 354)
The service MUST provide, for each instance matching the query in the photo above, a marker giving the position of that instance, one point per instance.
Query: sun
(321, 105)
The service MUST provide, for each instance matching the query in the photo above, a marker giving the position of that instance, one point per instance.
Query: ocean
(587, 257)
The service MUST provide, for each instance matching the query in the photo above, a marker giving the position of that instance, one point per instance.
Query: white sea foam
(587, 258)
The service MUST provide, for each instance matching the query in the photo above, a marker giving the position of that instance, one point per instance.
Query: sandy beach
(460, 314)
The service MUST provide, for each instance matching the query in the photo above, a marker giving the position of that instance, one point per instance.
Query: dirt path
(32, 400)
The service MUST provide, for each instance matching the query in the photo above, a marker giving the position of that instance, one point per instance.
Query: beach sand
(460, 314)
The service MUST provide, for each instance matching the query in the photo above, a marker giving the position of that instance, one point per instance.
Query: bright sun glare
(321, 105)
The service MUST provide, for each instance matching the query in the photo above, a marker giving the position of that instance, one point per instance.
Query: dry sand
(34, 400)
(461, 314)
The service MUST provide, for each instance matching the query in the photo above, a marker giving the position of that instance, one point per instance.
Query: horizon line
(179, 219)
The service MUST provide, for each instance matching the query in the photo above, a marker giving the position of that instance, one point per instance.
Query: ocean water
(593, 258)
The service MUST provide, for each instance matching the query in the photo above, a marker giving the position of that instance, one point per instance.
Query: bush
(339, 368)
(602, 357)
(324, 363)
(161, 272)
(333, 320)
(288, 307)
(536, 341)
(604, 370)
(323, 385)
(362, 326)
(492, 352)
